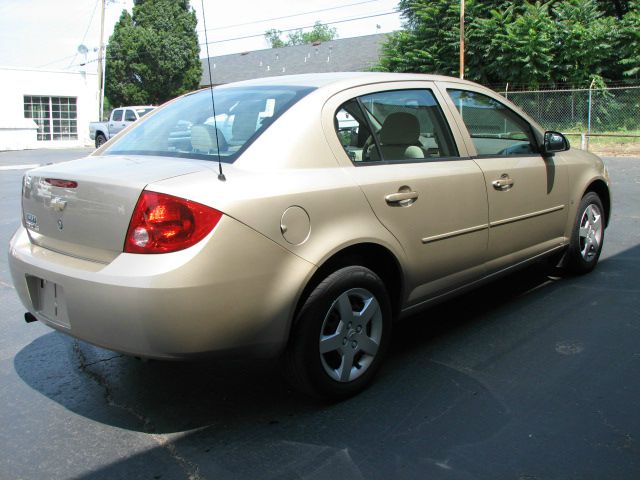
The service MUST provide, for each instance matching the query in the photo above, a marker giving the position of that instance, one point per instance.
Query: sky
(45, 34)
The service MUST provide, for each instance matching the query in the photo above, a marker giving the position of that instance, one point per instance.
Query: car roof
(344, 79)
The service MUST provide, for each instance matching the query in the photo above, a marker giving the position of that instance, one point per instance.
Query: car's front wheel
(587, 236)
(340, 335)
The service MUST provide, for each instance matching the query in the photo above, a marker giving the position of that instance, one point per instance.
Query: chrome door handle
(503, 183)
(401, 199)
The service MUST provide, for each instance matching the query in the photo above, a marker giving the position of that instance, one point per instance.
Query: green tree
(617, 8)
(629, 45)
(319, 33)
(584, 39)
(527, 43)
(526, 46)
(153, 54)
(273, 37)
(430, 40)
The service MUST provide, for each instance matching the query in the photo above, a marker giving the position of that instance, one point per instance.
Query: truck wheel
(100, 140)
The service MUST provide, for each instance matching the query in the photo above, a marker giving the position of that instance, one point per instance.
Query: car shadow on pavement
(430, 396)
(167, 397)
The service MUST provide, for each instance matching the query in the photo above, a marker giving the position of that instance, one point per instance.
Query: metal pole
(461, 38)
(589, 115)
(100, 67)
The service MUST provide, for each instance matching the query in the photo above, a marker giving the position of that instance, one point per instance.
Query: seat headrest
(203, 139)
(400, 128)
(244, 125)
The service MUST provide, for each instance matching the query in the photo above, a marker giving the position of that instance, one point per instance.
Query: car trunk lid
(83, 208)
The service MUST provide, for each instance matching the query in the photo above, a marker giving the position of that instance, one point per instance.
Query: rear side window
(398, 125)
(129, 116)
(495, 129)
(117, 115)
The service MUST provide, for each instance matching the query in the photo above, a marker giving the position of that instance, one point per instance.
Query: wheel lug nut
(344, 341)
(349, 325)
(359, 329)
(354, 344)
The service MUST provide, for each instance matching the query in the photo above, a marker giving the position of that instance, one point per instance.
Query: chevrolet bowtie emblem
(58, 204)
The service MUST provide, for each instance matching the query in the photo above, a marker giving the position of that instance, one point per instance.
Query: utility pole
(461, 38)
(100, 65)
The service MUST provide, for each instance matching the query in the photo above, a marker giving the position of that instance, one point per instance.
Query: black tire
(584, 249)
(316, 373)
(100, 140)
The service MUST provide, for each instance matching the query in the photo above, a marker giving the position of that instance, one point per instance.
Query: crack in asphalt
(191, 469)
(103, 360)
(626, 440)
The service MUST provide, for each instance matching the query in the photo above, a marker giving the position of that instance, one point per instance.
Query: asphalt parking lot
(531, 377)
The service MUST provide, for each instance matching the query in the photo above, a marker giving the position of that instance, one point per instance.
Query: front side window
(408, 125)
(187, 127)
(117, 115)
(495, 129)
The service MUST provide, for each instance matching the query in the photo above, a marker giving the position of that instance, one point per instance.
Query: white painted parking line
(19, 167)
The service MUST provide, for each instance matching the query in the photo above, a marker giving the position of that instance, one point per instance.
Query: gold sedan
(299, 216)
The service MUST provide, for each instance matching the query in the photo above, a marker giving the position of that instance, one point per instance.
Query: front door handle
(503, 183)
(401, 199)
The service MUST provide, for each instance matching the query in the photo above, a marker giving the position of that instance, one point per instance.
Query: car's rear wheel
(100, 140)
(587, 236)
(340, 335)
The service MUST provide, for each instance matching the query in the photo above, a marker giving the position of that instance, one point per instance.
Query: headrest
(400, 128)
(203, 139)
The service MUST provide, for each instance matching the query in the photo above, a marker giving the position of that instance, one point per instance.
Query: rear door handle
(401, 199)
(503, 183)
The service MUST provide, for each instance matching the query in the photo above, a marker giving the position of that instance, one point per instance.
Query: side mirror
(555, 142)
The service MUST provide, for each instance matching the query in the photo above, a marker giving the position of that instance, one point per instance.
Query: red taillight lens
(162, 223)
(58, 182)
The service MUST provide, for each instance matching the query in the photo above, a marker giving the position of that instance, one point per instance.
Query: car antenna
(221, 176)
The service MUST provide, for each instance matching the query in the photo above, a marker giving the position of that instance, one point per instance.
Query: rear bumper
(235, 291)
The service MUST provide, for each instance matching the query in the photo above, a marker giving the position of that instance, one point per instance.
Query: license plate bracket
(51, 302)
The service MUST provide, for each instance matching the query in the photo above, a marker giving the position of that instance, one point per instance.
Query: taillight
(58, 182)
(163, 223)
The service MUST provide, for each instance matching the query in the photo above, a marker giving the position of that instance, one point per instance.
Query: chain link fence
(604, 120)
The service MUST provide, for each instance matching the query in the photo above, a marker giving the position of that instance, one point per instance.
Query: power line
(288, 16)
(95, 6)
(55, 61)
(301, 28)
(282, 31)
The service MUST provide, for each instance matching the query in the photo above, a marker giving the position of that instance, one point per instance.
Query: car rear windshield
(187, 127)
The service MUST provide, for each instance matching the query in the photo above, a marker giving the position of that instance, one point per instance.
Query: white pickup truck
(120, 119)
